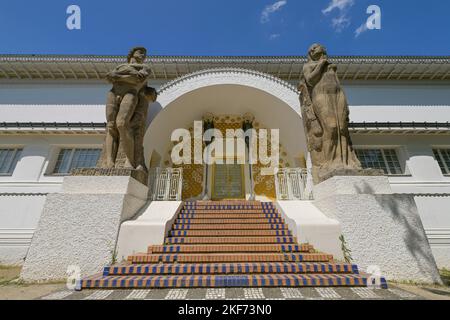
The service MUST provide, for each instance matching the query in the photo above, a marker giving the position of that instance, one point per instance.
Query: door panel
(228, 181)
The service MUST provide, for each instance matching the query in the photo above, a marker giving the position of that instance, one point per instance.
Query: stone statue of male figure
(128, 81)
(138, 124)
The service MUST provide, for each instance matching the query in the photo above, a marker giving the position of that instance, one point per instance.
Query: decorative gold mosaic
(193, 174)
(264, 185)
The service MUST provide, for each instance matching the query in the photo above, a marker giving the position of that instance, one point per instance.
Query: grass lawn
(9, 273)
(445, 275)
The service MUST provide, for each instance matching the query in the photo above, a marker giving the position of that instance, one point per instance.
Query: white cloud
(338, 4)
(342, 21)
(274, 36)
(271, 8)
(362, 28)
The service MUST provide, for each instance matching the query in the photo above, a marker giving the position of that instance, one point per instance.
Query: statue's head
(316, 51)
(138, 54)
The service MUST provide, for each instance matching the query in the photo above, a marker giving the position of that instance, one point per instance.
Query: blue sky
(225, 27)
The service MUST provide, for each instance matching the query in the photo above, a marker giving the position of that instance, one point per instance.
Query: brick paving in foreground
(337, 293)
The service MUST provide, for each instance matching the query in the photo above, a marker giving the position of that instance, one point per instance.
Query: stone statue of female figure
(326, 116)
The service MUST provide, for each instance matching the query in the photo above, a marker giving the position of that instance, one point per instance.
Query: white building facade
(52, 119)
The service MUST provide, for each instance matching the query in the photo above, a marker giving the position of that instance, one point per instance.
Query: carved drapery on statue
(325, 115)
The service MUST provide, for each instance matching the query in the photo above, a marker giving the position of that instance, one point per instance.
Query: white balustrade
(293, 184)
(165, 184)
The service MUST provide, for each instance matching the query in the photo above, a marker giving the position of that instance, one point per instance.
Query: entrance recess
(228, 182)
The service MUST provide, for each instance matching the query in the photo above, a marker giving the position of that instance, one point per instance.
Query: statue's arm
(313, 72)
(130, 79)
(124, 76)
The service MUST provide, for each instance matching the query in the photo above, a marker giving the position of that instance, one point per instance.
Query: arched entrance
(228, 94)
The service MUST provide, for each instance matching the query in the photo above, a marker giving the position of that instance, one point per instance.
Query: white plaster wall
(79, 226)
(379, 93)
(19, 215)
(382, 229)
(310, 225)
(434, 211)
(54, 92)
(396, 93)
(50, 92)
(423, 179)
(150, 227)
(52, 113)
(23, 194)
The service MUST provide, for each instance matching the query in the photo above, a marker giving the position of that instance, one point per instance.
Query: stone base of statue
(383, 230)
(139, 175)
(79, 226)
(327, 174)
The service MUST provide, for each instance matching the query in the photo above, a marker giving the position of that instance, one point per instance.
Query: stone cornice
(263, 59)
(84, 67)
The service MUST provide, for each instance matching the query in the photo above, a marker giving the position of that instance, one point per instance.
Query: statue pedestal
(382, 229)
(79, 226)
(138, 175)
(325, 175)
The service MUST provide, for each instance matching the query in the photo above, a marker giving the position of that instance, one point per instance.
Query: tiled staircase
(228, 244)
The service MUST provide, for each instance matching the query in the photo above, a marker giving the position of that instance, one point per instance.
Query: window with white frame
(69, 159)
(443, 158)
(384, 159)
(8, 160)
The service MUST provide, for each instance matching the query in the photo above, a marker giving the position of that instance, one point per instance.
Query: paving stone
(402, 293)
(58, 295)
(310, 293)
(254, 293)
(215, 293)
(119, 294)
(365, 293)
(328, 293)
(291, 293)
(273, 293)
(196, 294)
(79, 295)
(386, 294)
(137, 294)
(99, 295)
(157, 294)
(176, 294)
(235, 294)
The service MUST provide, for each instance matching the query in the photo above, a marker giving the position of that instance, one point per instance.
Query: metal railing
(165, 184)
(293, 184)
